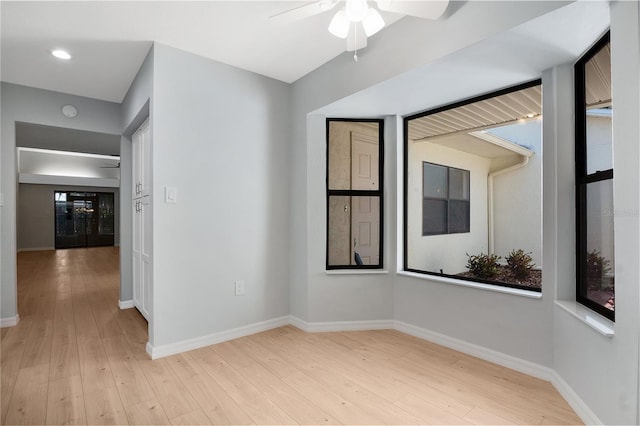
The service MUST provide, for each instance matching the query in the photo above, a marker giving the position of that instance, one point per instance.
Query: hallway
(61, 362)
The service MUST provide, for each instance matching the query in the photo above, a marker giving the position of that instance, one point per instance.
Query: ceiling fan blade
(356, 39)
(304, 11)
(430, 9)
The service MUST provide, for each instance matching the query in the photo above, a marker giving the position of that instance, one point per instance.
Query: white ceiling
(109, 40)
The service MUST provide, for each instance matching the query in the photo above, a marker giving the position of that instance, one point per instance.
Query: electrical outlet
(239, 288)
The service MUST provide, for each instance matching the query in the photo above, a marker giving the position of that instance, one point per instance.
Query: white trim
(319, 327)
(162, 351)
(572, 398)
(473, 284)
(126, 304)
(36, 249)
(518, 364)
(9, 322)
(499, 358)
(502, 143)
(587, 316)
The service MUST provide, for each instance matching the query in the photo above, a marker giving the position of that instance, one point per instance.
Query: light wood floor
(76, 358)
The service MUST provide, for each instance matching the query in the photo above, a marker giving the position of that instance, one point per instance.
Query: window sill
(587, 316)
(480, 286)
(355, 271)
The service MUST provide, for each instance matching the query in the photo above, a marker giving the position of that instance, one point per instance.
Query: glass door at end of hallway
(84, 219)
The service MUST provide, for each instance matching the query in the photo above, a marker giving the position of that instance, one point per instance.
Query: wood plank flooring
(75, 358)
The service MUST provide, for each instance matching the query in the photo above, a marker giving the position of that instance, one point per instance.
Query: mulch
(506, 276)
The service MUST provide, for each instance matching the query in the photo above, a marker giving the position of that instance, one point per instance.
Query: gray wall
(220, 137)
(36, 214)
(314, 295)
(20, 103)
(135, 109)
(603, 371)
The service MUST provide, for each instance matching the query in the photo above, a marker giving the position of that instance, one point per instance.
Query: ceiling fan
(357, 20)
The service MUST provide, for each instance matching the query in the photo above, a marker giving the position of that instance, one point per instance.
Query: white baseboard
(318, 327)
(10, 321)
(572, 398)
(518, 364)
(36, 249)
(514, 363)
(125, 304)
(162, 351)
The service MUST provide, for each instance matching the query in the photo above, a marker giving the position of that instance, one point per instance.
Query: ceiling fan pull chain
(355, 42)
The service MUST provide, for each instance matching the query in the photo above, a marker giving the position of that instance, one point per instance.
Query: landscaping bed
(504, 275)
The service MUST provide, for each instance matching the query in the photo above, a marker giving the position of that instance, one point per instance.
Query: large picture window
(354, 193)
(445, 207)
(594, 181)
(473, 189)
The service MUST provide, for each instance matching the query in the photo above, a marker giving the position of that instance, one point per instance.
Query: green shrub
(483, 265)
(597, 268)
(520, 264)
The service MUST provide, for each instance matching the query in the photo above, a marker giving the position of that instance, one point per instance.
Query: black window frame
(357, 193)
(405, 172)
(583, 178)
(448, 201)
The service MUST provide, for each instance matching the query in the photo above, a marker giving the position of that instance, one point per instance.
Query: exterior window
(445, 207)
(473, 189)
(354, 193)
(594, 181)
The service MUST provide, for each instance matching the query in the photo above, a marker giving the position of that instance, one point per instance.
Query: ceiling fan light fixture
(372, 22)
(356, 10)
(339, 25)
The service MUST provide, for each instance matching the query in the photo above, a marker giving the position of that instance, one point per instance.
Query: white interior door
(136, 161)
(365, 228)
(145, 258)
(364, 162)
(137, 255)
(140, 158)
(142, 256)
(365, 211)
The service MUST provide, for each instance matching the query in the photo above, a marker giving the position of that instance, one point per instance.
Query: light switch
(170, 194)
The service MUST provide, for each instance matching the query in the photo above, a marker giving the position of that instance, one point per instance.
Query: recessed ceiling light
(531, 115)
(61, 54)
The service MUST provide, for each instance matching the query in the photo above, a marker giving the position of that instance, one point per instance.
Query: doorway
(84, 219)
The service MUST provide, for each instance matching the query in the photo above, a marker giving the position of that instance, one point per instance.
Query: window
(473, 189)
(354, 193)
(445, 206)
(595, 283)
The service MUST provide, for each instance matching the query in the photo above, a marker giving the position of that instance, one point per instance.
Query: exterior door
(84, 219)
(365, 211)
